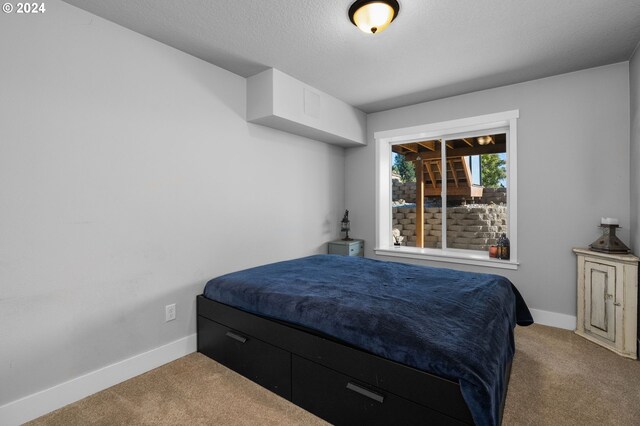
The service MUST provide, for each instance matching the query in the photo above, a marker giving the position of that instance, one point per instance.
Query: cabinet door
(600, 294)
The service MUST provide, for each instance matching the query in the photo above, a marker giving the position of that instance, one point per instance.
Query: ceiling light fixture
(373, 16)
(484, 140)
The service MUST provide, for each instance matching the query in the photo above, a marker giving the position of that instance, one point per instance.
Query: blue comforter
(455, 324)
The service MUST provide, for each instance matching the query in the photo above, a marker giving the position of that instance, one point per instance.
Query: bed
(362, 341)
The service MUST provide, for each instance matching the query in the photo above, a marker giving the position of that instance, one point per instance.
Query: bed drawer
(340, 399)
(261, 362)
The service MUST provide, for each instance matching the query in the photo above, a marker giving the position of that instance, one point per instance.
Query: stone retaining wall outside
(471, 227)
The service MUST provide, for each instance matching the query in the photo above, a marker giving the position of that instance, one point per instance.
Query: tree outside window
(494, 172)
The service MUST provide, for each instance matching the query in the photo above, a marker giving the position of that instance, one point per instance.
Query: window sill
(475, 258)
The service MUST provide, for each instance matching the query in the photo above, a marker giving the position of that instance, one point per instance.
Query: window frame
(502, 122)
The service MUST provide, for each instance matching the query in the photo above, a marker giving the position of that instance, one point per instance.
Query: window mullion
(443, 192)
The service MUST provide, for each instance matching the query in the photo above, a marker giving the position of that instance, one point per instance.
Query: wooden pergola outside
(427, 159)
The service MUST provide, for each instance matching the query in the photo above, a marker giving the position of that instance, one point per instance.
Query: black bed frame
(337, 382)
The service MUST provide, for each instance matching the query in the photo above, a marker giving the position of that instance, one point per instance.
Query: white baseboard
(43, 402)
(554, 319)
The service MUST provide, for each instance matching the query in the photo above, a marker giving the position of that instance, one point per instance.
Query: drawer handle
(365, 392)
(237, 337)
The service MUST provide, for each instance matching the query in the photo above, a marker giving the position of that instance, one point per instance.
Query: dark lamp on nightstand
(345, 226)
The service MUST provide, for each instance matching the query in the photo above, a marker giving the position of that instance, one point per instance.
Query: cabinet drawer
(258, 361)
(341, 400)
(356, 249)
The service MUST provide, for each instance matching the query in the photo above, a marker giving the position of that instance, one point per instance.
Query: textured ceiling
(434, 49)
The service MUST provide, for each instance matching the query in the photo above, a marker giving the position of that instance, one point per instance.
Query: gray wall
(573, 135)
(634, 90)
(121, 161)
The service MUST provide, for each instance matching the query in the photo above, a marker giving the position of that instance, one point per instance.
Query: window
(463, 175)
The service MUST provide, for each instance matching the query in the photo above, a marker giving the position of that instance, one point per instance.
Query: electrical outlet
(170, 312)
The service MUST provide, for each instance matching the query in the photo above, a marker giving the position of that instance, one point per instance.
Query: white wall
(573, 168)
(634, 90)
(128, 178)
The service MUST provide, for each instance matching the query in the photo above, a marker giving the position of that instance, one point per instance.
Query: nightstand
(347, 248)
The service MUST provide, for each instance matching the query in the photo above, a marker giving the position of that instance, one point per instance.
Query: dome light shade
(373, 16)
(484, 140)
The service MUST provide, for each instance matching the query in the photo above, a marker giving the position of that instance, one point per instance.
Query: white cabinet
(608, 300)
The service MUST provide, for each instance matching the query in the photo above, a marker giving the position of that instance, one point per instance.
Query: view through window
(456, 201)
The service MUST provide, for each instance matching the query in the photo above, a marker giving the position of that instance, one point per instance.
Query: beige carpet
(557, 378)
